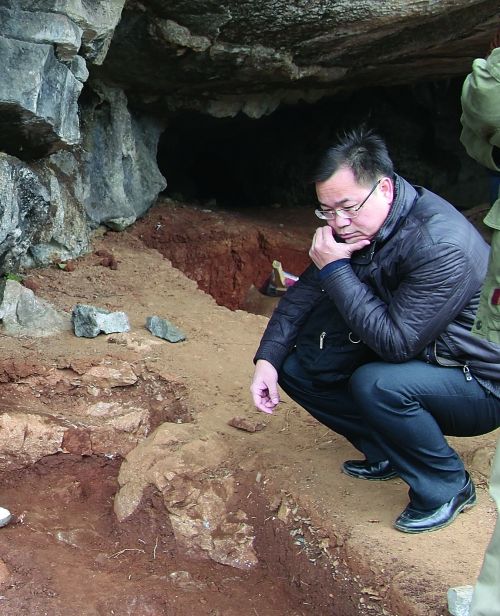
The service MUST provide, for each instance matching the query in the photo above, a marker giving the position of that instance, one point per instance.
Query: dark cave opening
(247, 179)
(242, 162)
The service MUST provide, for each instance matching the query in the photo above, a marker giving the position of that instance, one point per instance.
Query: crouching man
(375, 340)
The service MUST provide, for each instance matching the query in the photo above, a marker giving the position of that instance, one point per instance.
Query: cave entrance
(244, 187)
(242, 162)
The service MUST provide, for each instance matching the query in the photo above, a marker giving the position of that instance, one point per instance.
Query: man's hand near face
(326, 249)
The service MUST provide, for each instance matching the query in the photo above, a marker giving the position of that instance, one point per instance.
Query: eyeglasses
(345, 212)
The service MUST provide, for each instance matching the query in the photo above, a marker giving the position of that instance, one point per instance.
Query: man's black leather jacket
(411, 294)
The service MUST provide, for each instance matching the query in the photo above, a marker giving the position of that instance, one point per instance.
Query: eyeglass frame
(351, 212)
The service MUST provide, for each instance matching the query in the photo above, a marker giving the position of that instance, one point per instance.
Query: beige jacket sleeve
(481, 109)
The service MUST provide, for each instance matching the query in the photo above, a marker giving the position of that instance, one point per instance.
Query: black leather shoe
(373, 471)
(415, 521)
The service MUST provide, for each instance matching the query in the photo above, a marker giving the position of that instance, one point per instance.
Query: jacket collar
(404, 198)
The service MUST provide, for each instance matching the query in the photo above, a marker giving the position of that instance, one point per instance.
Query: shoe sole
(467, 505)
(384, 478)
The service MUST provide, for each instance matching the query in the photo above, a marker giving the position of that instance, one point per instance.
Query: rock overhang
(219, 58)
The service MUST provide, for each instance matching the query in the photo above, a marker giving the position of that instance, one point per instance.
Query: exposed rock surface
(44, 44)
(114, 405)
(24, 210)
(251, 55)
(163, 328)
(119, 178)
(197, 491)
(107, 171)
(90, 321)
(22, 313)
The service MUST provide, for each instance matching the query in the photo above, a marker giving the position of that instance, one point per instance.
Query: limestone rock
(42, 27)
(24, 209)
(43, 74)
(268, 53)
(163, 328)
(38, 98)
(196, 493)
(120, 149)
(66, 233)
(89, 321)
(26, 438)
(78, 67)
(22, 313)
(121, 223)
(459, 599)
(96, 19)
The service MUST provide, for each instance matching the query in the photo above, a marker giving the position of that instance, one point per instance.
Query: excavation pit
(82, 561)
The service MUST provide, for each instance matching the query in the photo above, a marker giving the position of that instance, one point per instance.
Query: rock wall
(68, 164)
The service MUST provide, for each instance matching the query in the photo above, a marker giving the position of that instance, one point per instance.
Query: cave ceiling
(251, 55)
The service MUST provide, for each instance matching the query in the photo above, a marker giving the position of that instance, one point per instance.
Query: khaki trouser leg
(486, 597)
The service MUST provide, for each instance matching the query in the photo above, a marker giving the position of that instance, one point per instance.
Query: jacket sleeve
(288, 316)
(481, 110)
(436, 282)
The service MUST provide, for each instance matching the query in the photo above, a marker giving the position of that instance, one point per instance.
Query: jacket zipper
(441, 361)
(321, 339)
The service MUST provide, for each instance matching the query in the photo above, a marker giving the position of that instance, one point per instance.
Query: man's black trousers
(401, 412)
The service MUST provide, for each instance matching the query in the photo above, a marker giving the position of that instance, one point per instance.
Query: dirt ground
(324, 541)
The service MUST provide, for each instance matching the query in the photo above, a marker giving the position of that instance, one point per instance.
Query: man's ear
(386, 187)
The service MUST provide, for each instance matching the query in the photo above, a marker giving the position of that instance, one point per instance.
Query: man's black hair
(360, 149)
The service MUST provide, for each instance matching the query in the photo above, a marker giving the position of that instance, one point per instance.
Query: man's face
(342, 191)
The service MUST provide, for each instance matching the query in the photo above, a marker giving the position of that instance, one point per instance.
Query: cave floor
(325, 541)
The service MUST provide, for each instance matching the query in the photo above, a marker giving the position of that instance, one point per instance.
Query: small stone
(89, 321)
(242, 423)
(120, 224)
(459, 599)
(4, 575)
(284, 511)
(184, 580)
(162, 328)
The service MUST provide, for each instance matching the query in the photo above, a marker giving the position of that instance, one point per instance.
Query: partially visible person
(481, 138)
